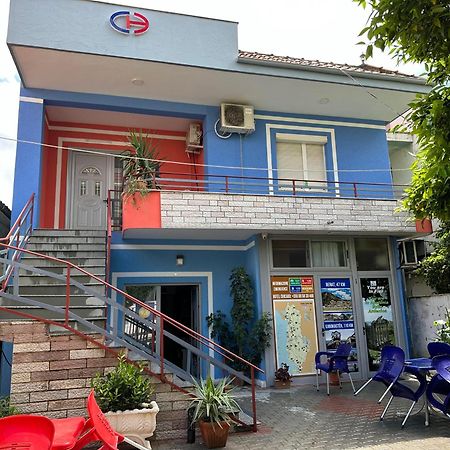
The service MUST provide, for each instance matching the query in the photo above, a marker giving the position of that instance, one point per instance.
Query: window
(372, 254)
(287, 253)
(328, 254)
(301, 158)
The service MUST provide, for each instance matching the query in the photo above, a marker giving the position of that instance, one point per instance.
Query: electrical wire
(165, 161)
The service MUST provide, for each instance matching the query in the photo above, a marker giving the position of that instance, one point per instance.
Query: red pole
(161, 345)
(67, 295)
(355, 192)
(293, 187)
(252, 373)
(226, 185)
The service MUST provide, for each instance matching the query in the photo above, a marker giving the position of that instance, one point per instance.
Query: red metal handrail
(203, 340)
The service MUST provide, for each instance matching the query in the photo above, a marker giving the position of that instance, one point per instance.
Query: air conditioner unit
(237, 118)
(194, 138)
(412, 252)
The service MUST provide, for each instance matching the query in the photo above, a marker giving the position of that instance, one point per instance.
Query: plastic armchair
(438, 348)
(25, 432)
(440, 384)
(391, 367)
(337, 361)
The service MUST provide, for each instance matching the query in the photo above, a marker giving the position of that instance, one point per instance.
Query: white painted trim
(207, 275)
(301, 138)
(320, 122)
(31, 99)
(58, 183)
(280, 126)
(226, 248)
(113, 133)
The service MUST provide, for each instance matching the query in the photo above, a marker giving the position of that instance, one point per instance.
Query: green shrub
(126, 387)
(6, 409)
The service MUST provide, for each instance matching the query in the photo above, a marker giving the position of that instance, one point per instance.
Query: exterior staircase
(83, 248)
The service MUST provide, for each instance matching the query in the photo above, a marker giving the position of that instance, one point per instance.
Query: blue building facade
(304, 202)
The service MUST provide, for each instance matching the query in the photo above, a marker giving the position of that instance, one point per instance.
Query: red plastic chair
(67, 432)
(98, 429)
(24, 432)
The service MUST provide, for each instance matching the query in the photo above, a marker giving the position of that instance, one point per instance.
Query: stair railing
(164, 329)
(18, 235)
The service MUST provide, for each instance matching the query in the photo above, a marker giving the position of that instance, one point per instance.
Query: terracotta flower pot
(213, 435)
(280, 384)
(424, 226)
(334, 379)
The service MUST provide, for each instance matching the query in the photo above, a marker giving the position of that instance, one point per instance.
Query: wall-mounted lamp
(180, 260)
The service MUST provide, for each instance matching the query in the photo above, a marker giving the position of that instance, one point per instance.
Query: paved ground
(301, 418)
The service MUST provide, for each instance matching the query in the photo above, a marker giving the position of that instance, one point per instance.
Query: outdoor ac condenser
(237, 118)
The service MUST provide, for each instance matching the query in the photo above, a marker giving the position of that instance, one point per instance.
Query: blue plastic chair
(440, 384)
(391, 367)
(438, 348)
(337, 361)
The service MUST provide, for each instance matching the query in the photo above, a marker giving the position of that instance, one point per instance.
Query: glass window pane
(83, 187)
(372, 254)
(97, 188)
(290, 253)
(328, 254)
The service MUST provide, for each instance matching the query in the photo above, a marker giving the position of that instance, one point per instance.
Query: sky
(314, 29)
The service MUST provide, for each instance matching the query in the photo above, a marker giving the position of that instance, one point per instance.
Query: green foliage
(126, 387)
(6, 409)
(435, 268)
(419, 31)
(213, 402)
(246, 336)
(443, 328)
(141, 163)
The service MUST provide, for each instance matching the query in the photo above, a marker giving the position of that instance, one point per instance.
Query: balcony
(239, 206)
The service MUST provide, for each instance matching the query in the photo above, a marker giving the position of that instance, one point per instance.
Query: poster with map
(294, 323)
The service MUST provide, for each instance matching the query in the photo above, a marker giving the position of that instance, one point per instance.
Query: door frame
(69, 220)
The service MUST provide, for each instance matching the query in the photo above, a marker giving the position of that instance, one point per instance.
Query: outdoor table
(423, 365)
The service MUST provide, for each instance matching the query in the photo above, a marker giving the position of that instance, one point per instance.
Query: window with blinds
(301, 161)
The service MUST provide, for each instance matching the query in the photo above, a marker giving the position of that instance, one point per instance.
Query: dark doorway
(180, 302)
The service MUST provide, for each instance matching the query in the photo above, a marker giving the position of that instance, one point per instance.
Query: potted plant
(141, 164)
(212, 406)
(246, 336)
(282, 377)
(125, 396)
(6, 409)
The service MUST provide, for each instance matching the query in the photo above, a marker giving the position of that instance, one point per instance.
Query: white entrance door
(89, 191)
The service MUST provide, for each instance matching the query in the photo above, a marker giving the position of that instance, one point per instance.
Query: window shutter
(289, 161)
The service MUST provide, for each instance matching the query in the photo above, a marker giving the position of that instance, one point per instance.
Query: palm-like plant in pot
(212, 406)
(141, 164)
(125, 396)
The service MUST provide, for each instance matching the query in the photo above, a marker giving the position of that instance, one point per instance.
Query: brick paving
(301, 418)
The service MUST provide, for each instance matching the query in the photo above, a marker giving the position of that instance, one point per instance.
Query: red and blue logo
(122, 22)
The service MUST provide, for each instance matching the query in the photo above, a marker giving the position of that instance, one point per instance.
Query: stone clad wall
(228, 211)
(51, 375)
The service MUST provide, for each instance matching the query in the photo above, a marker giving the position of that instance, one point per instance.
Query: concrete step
(63, 233)
(62, 270)
(66, 240)
(47, 247)
(82, 311)
(73, 254)
(82, 261)
(58, 289)
(76, 300)
(39, 280)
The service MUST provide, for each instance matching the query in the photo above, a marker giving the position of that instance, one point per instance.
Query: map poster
(294, 323)
(338, 323)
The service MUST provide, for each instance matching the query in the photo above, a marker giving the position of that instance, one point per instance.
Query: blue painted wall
(362, 151)
(27, 173)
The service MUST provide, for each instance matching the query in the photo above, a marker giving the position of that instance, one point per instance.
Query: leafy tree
(419, 31)
(246, 337)
(435, 268)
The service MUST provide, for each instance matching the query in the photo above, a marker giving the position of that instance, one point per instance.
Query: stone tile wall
(51, 375)
(229, 211)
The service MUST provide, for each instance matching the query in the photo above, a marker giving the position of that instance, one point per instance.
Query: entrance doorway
(91, 178)
(180, 302)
